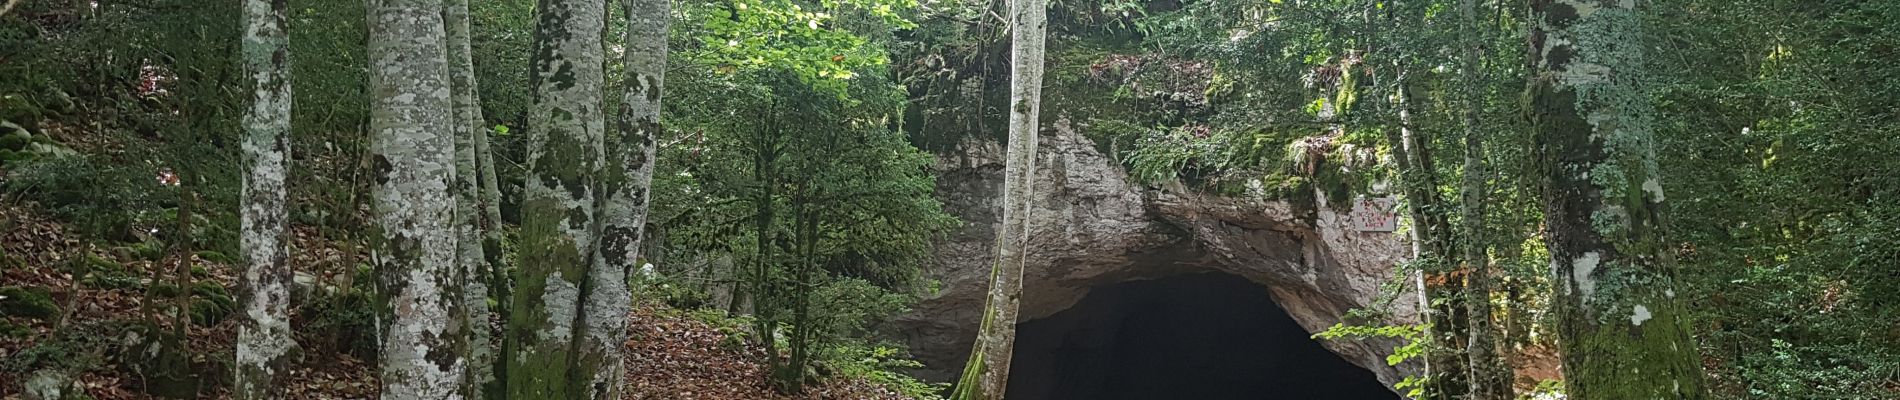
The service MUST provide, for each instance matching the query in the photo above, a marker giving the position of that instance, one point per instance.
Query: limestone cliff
(1094, 227)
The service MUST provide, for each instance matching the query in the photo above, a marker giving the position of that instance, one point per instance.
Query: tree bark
(491, 223)
(558, 225)
(466, 125)
(264, 339)
(987, 373)
(1622, 333)
(1438, 286)
(625, 180)
(412, 147)
(1490, 378)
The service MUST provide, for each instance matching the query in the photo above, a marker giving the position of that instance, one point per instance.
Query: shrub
(103, 201)
(343, 323)
(882, 364)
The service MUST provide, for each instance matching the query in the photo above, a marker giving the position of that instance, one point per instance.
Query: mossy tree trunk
(625, 179)
(1622, 333)
(1490, 378)
(466, 126)
(412, 147)
(558, 225)
(264, 339)
(986, 375)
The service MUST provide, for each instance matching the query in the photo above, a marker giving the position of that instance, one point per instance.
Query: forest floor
(671, 354)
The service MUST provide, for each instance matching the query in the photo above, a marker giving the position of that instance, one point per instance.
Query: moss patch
(30, 302)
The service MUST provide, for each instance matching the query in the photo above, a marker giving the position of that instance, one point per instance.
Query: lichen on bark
(264, 338)
(413, 147)
(558, 224)
(990, 359)
(630, 152)
(1621, 334)
(466, 126)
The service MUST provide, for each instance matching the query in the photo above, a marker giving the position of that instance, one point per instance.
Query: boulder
(13, 136)
(48, 149)
(50, 384)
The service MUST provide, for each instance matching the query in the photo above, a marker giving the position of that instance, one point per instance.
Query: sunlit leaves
(811, 38)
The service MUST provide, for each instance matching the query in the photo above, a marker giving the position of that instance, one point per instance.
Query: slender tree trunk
(1439, 287)
(1622, 333)
(489, 221)
(765, 176)
(181, 272)
(1490, 378)
(413, 147)
(625, 179)
(264, 340)
(791, 377)
(491, 226)
(987, 373)
(558, 226)
(466, 125)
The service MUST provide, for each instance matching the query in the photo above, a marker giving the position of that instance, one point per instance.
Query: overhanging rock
(1092, 226)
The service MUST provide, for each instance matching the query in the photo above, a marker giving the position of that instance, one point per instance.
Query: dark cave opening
(1208, 336)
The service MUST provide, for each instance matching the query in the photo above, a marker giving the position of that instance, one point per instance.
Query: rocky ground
(72, 305)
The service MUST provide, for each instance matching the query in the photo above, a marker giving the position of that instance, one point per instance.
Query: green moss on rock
(149, 251)
(216, 257)
(10, 156)
(30, 302)
(12, 137)
(101, 265)
(212, 303)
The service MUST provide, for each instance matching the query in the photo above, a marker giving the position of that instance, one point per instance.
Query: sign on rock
(1375, 214)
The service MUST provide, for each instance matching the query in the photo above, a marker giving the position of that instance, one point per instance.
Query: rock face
(1094, 227)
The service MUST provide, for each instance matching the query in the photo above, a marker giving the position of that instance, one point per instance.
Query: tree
(1622, 333)
(630, 150)
(1490, 379)
(1432, 246)
(413, 148)
(987, 373)
(466, 126)
(264, 339)
(558, 211)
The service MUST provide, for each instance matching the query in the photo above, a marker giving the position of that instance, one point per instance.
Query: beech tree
(466, 126)
(264, 336)
(558, 211)
(412, 149)
(625, 179)
(1621, 331)
(986, 374)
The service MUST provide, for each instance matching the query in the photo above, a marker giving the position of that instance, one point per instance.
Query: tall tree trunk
(413, 147)
(1439, 287)
(558, 226)
(625, 179)
(466, 125)
(1490, 378)
(264, 339)
(1622, 333)
(987, 373)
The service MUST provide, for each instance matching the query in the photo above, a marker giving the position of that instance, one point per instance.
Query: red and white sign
(1375, 214)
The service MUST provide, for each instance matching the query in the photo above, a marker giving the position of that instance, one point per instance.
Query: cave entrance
(1206, 336)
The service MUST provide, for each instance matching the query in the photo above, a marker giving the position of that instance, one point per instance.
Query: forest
(950, 199)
